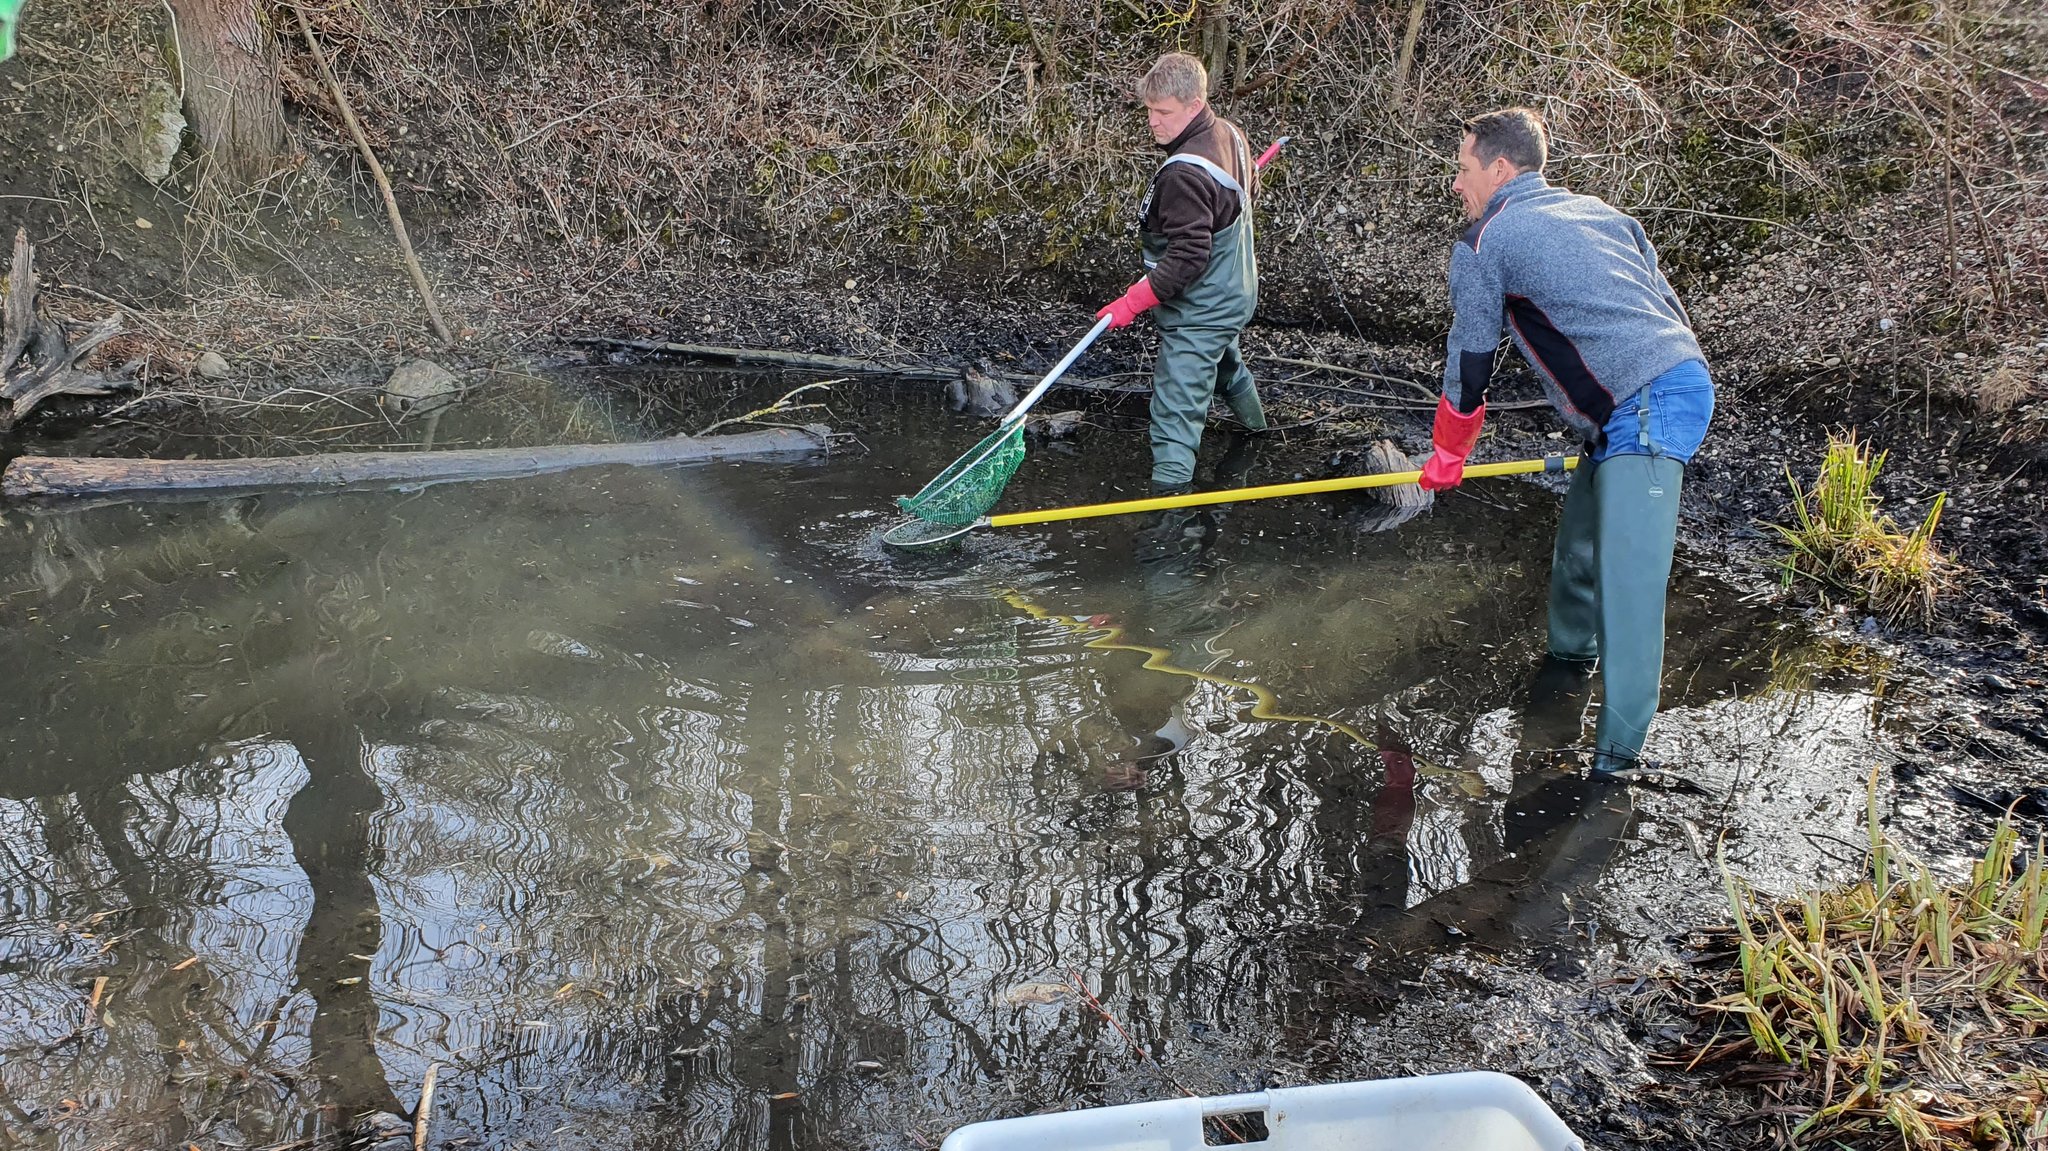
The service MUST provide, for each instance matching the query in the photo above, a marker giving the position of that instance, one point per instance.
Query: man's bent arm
(1475, 328)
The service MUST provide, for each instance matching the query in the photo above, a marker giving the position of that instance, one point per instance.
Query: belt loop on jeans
(1643, 421)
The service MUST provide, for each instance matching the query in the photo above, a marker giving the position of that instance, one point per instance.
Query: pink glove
(1130, 305)
(1453, 436)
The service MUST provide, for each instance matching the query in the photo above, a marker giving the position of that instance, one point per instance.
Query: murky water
(666, 808)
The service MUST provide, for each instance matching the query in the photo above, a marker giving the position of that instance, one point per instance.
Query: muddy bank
(1836, 193)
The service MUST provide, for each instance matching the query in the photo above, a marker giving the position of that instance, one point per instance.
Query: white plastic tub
(1469, 1111)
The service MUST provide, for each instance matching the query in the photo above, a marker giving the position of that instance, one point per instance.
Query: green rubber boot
(1234, 383)
(1574, 596)
(1610, 572)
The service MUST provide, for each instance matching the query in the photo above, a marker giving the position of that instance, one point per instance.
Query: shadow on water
(667, 807)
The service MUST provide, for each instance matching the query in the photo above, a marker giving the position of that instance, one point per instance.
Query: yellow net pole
(1271, 491)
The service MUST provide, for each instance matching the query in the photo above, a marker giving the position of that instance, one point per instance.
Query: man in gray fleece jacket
(1576, 284)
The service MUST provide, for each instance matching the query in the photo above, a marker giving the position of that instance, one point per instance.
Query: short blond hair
(1175, 76)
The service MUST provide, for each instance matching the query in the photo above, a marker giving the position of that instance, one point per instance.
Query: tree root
(37, 361)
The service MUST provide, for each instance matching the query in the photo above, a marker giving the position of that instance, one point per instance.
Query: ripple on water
(635, 870)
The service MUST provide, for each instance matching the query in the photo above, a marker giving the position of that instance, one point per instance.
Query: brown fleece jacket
(1189, 207)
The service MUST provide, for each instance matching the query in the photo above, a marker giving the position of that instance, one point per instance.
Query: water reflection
(661, 808)
(329, 825)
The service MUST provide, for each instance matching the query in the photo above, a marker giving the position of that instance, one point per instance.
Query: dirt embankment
(1852, 199)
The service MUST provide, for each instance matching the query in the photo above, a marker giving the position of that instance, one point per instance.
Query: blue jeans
(1668, 417)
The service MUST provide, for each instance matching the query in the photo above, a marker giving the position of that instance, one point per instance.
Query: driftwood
(782, 359)
(43, 476)
(808, 361)
(36, 360)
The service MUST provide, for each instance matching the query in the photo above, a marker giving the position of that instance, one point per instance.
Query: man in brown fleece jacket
(1201, 278)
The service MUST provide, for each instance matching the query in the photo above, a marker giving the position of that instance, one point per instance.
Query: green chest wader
(1199, 356)
(1609, 572)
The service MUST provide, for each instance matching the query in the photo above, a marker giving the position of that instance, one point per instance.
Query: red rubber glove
(1130, 305)
(1393, 812)
(1453, 437)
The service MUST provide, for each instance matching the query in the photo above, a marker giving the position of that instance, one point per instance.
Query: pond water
(666, 808)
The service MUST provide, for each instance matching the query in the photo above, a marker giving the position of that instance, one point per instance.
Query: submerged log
(1384, 509)
(810, 361)
(814, 362)
(34, 476)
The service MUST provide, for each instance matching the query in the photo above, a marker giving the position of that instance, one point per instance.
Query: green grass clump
(1907, 1009)
(1840, 541)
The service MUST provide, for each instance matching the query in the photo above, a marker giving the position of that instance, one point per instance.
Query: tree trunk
(799, 360)
(228, 67)
(1406, 62)
(1214, 18)
(80, 476)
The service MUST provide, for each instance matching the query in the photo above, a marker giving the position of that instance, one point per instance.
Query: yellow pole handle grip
(1271, 491)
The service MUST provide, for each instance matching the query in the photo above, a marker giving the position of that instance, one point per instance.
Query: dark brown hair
(1516, 133)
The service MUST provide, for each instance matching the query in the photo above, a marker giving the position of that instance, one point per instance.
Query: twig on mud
(1427, 393)
(1382, 400)
(131, 309)
(1367, 400)
(630, 262)
(238, 402)
(561, 120)
(1312, 421)
(398, 232)
(1144, 1056)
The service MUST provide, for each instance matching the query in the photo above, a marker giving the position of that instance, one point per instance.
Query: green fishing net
(966, 490)
(10, 11)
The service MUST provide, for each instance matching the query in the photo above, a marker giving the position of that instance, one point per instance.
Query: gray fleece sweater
(1576, 283)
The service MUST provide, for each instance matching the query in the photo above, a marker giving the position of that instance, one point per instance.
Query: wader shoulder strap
(1216, 172)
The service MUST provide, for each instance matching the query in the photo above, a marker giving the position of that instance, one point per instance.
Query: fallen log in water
(31, 476)
(810, 361)
(805, 360)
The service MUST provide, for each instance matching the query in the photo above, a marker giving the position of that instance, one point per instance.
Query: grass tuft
(1841, 542)
(1911, 1008)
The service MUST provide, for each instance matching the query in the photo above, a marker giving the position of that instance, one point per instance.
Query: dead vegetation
(977, 131)
(1899, 1011)
(567, 166)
